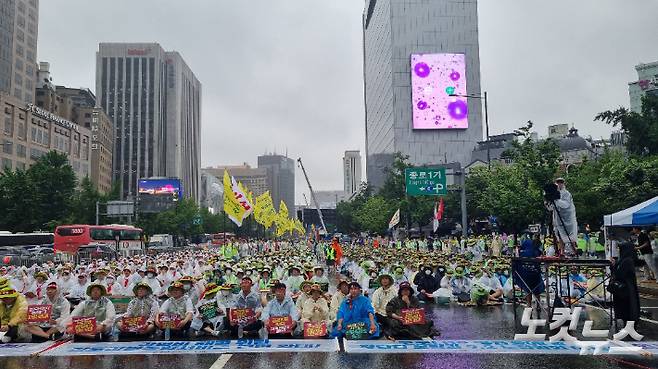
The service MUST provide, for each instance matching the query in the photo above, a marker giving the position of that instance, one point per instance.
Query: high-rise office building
(19, 24)
(646, 84)
(281, 178)
(255, 179)
(351, 171)
(394, 31)
(154, 101)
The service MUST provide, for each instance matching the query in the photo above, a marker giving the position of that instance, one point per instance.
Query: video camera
(551, 192)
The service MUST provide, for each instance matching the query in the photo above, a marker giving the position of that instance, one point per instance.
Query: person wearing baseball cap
(55, 327)
(356, 309)
(13, 312)
(395, 327)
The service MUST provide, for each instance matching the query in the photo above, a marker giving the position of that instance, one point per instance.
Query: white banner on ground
(193, 347)
(479, 347)
(22, 349)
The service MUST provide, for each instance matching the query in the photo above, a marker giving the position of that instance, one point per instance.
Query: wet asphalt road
(455, 322)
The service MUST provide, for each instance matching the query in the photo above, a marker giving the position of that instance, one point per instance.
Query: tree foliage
(641, 129)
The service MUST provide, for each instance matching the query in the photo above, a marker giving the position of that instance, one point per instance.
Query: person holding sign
(13, 312)
(405, 318)
(315, 308)
(356, 316)
(247, 300)
(96, 306)
(139, 319)
(210, 315)
(49, 323)
(280, 306)
(177, 309)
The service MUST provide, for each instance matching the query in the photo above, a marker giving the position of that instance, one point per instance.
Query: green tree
(508, 192)
(641, 129)
(83, 210)
(18, 202)
(540, 160)
(55, 182)
(375, 214)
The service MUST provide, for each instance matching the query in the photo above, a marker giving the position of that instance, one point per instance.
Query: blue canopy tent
(641, 215)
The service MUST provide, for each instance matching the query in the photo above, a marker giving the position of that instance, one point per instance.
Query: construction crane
(317, 205)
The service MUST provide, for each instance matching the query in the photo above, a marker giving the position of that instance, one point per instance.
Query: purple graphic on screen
(434, 78)
(422, 70)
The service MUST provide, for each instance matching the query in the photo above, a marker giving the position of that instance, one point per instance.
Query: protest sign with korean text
(413, 316)
(39, 313)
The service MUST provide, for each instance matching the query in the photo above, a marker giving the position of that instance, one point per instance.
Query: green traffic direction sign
(425, 181)
(197, 220)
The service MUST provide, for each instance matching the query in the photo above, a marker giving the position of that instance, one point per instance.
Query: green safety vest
(331, 253)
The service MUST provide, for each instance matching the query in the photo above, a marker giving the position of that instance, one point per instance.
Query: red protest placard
(170, 321)
(413, 316)
(39, 313)
(242, 316)
(315, 330)
(279, 325)
(133, 323)
(84, 325)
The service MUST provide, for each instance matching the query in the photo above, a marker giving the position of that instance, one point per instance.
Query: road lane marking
(221, 361)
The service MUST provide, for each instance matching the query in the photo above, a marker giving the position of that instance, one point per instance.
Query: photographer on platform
(565, 226)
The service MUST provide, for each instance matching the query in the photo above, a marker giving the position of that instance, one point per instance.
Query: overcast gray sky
(287, 74)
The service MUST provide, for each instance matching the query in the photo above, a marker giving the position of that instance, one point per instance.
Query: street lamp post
(486, 121)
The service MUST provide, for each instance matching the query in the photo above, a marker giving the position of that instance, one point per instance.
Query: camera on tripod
(551, 192)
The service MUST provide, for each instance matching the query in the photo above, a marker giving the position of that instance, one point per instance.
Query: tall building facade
(154, 101)
(646, 84)
(393, 30)
(351, 171)
(19, 24)
(281, 179)
(30, 132)
(255, 179)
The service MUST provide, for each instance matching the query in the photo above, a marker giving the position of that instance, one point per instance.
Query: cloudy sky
(286, 75)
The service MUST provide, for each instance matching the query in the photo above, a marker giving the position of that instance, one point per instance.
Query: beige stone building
(255, 179)
(28, 132)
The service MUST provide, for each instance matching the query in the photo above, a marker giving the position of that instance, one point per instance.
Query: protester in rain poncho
(564, 218)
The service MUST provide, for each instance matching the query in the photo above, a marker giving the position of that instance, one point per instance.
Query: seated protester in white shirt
(225, 297)
(177, 304)
(125, 283)
(382, 295)
(190, 287)
(59, 314)
(492, 283)
(99, 306)
(78, 291)
(209, 318)
(145, 305)
(281, 306)
(151, 280)
(65, 282)
(37, 290)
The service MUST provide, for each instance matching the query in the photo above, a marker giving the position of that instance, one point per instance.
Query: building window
(20, 165)
(19, 50)
(6, 164)
(7, 147)
(9, 126)
(21, 151)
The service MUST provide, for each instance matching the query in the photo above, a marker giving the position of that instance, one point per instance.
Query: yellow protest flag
(236, 204)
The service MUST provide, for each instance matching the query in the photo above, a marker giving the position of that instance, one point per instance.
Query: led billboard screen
(164, 186)
(434, 78)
